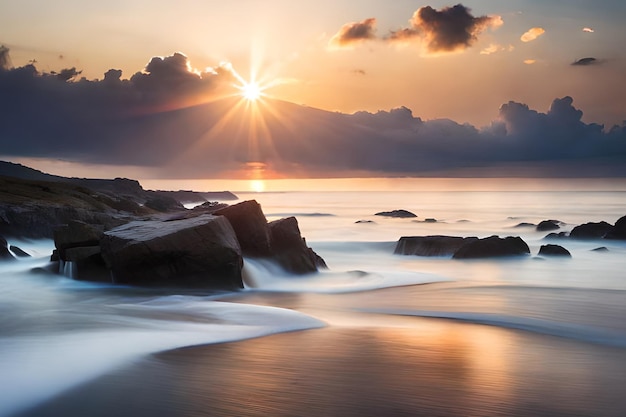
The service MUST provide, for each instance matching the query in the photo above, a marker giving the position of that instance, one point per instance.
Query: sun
(251, 91)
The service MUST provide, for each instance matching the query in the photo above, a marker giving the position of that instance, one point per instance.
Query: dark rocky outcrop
(400, 214)
(365, 222)
(492, 246)
(289, 248)
(431, 245)
(4, 250)
(19, 252)
(619, 230)
(554, 250)
(279, 240)
(78, 246)
(591, 230)
(202, 251)
(548, 225)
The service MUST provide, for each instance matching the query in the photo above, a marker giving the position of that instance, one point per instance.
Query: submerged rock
(600, 249)
(431, 245)
(19, 252)
(397, 214)
(547, 225)
(197, 252)
(554, 250)
(493, 246)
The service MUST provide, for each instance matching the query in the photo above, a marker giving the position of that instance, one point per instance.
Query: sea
(374, 334)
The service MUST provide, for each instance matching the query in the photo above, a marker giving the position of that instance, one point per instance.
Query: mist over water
(56, 333)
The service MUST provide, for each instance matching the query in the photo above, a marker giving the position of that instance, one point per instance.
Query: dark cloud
(162, 118)
(352, 33)
(67, 74)
(449, 29)
(586, 61)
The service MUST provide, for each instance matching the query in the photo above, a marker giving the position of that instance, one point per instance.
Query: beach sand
(410, 367)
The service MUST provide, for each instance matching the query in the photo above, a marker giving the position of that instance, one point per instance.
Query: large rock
(619, 230)
(201, 251)
(492, 246)
(431, 245)
(591, 230)
(554, 250)
(397, 214)
(289, 248)
(77, 234)
(19, 252)
(250, 225)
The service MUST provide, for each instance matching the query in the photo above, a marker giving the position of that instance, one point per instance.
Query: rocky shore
(122, 234)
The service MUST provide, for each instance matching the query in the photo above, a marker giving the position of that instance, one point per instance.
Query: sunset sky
(440, 60)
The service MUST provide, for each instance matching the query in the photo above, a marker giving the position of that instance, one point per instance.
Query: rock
(250, 226)
(77, 234)
(525, 224)
(397, 214)
(547, 225)
(87, 264)
(19, 252)
(202, 251)
(619, 230)
(430, 245)
(553, 235)
(430, 220)
(289, 249)
(492, 246)
(591, 230)
(600, 249)
(364, 221)
(4, 250)
(554, 250)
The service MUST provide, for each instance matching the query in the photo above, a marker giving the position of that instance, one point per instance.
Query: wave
(263, 275)
(35, 366)
(545, 327)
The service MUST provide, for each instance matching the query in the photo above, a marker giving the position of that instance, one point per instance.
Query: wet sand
(416, 367)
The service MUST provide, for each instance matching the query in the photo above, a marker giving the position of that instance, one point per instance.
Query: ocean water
(57, 334)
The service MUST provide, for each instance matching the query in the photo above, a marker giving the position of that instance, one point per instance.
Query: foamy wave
(36, 368)
(267, 276)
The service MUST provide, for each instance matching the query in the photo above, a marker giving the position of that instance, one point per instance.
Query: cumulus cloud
(532, 34)
(352, 33)
(586, 61)
(132, 121)
(446, 30)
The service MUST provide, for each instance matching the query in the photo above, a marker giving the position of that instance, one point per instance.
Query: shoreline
(421, 367)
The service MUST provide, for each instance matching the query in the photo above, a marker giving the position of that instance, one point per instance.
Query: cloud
(353, 33)
(446, 30)
(588, 30)
(586, 61)
(530, 61)
(493, 48)
(170, 119)
(532, 34)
